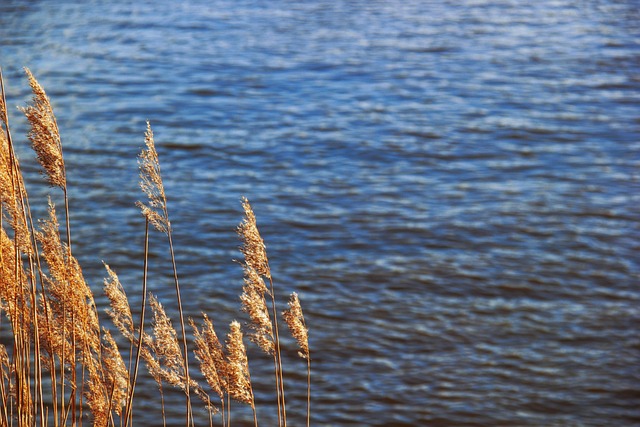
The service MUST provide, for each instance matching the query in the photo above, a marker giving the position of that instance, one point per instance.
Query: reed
(62, 366)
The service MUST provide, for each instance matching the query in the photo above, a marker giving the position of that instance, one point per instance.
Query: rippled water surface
(451, 186)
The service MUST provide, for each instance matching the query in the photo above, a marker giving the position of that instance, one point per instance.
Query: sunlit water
(451, 186)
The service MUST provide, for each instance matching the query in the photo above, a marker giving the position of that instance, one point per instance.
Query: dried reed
(54, 322)
(156, 213)
(294, 319)
(213, 363)
(239, 379)
(257, 265)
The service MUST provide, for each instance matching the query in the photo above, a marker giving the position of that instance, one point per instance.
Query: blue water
(453, 188)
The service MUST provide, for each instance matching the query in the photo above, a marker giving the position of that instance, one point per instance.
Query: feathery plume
(120, 312)
(115, 372)
(162, 352)
(153, 365)
(11, 195)
(209, 352)
(157, 214)
(13, 284)
(239, 379)
(44, 134)
(97, 398)
(257, 264)
(253, 247)
(255, 305)
(165, 343)
(151, 183)
(71, 298)
(295, 320)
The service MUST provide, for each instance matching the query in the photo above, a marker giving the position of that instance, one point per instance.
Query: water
(451, 186)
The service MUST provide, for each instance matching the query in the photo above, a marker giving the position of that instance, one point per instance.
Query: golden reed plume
(155, 210)
(51, 310)
(294, 319)
(44, 134)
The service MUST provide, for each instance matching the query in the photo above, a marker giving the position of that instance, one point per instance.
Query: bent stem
(182, 327)
(128, 410)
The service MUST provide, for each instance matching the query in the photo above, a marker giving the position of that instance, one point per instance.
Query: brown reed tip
(13, 287)
(70, 297)
(166, 346)
(116, 373)
(209, 352)
(239, 379)
(255, 305)
(44, 134)
(151, 183)
(295, 321)
(253, 247)
(120, 311)
(96, 394)
(12, 194)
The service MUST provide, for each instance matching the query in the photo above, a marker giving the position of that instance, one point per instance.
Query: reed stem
(308, 392)
(184, 334)
(280, 382)
(128, 411)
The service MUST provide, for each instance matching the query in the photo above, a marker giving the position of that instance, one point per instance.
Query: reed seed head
(166, 346)
(239, 379)
(162, 352)
(213, 364)
(44, 134)
(295, 321)
(97, 398)
(13, 284)
(12, 194)
(115, 372)
(253, 247)
(255, 305)
(151, 183)
(120, 312)
(71, 300)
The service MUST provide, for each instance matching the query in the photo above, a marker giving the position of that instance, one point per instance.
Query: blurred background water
(451, 186)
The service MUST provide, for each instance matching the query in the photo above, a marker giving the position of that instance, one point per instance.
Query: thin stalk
(184, 335)
(164, 417)
(275, 373)
(228, 410)
(36, 345)
(253, 404)
(127, 414)
(222, 415)
(210, 411)
(308, 391)
(62, 360)
(280, 383)
(3, 394)
(255, 416)
(74, 374)
(73, 365)
(4, 397)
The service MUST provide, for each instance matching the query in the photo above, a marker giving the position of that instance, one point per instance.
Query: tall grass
(62, 366)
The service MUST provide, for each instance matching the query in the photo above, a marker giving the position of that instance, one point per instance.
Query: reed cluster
(61, 365)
